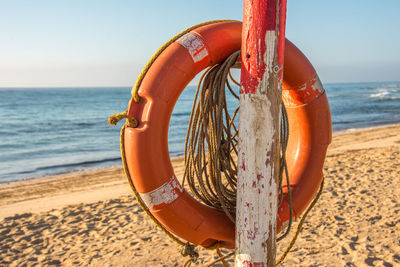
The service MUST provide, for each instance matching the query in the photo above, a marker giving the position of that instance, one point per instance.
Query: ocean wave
(380, 94)
(78, 164)
(5, 132)
(67, 166)
(86, 124)
(387, 99)
(56, 126)
(180, 114)
(393, 85)
(386, 93)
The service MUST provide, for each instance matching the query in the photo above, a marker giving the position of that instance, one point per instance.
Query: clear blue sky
(106, 43)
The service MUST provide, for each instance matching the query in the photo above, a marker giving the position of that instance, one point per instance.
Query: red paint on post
(270, 15)
(243, 163)
(246, 263)
(281, 36)
(251, 264)
(253, 65)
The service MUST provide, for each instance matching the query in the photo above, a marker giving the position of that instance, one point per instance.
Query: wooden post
(263, 41)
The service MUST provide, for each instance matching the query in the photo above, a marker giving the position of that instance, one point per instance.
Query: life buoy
(146, 146)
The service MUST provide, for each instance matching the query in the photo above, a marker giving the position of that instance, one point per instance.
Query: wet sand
(91, 218)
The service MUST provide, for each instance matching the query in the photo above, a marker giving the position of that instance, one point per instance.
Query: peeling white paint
(256, 181)
(304, 93)
(269, 56)
(163, 195)
(314, 85)
(317, 85)
(195, 46)
(256, 175)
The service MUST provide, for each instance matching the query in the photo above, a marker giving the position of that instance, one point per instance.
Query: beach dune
(91, 218)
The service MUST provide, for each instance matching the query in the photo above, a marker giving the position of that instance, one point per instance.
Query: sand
(91, 218)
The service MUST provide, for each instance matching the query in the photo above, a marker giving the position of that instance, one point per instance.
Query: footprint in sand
(354, 242)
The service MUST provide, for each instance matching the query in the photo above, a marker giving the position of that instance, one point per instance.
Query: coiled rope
(214, 158)
(211, 143)
(212, 138)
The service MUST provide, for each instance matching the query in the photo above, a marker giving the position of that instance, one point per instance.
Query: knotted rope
(210, 146)
(114, 119)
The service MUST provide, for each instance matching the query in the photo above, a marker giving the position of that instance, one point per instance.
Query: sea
(48, 131)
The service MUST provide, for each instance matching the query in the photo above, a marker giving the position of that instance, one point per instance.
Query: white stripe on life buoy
(163, 195)
(195, 46)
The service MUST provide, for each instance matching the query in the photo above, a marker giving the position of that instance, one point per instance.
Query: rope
(300, 225)
(210, 145)
(210, 148)
(139, 80)
(114, 119)
(211, 140)
(221, 258)
(137, 195)
(189, 250)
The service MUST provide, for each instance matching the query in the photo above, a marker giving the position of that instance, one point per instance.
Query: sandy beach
(91, 218)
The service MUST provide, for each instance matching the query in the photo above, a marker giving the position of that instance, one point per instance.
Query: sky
(107, 43)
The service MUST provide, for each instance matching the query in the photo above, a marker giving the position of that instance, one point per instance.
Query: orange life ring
(146, 146)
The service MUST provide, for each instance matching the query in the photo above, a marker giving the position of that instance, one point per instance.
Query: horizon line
(120, 86)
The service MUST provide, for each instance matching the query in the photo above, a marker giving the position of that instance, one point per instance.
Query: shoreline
(61, 174)
(352, 130)
(72, 172)
(180, 157)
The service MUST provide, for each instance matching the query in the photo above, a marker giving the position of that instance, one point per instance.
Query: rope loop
(114, 119)
(189, 250)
